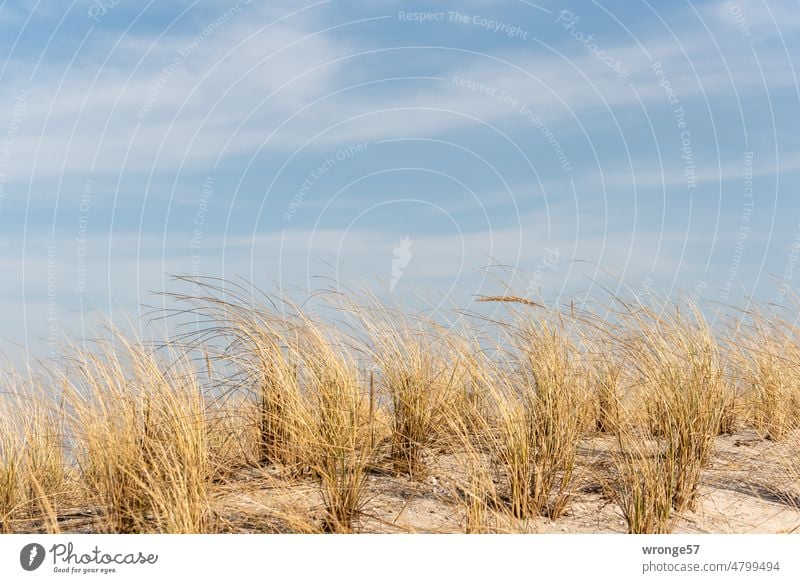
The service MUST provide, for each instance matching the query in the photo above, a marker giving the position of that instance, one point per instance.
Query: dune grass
(257, 387)
(140, 427)
(33, 467)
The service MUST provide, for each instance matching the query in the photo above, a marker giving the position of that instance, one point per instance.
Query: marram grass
(268, 417)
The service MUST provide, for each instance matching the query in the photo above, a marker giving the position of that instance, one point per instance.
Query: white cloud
(217, 95)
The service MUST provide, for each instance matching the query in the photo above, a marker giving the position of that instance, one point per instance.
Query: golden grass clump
(416, 377)
(555, 388)
(676, 367)
(766, 356)
(252, 339)
(514, 450)
(140, 428)
(339, 428)
(540, 411)
(301, 389)
(644, 486)
(10, 468)
(33, 468)
(265, 347)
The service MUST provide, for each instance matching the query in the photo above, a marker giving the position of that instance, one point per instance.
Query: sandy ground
(743, 491)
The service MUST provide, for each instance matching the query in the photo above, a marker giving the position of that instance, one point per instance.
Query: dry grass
(555, 389)
(607, 375)
(539, 414)
(676, 371)
(139, 424)
(645, 485)
(33, 469)
(765, 354)
(261, 399)
(416, 377)
(338, 433)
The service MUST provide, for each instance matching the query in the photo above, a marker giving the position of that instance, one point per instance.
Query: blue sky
(402, 146)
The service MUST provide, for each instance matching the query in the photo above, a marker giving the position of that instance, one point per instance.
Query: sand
(743, 491)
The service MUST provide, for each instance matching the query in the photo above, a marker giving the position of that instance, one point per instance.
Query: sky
(415, 149)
